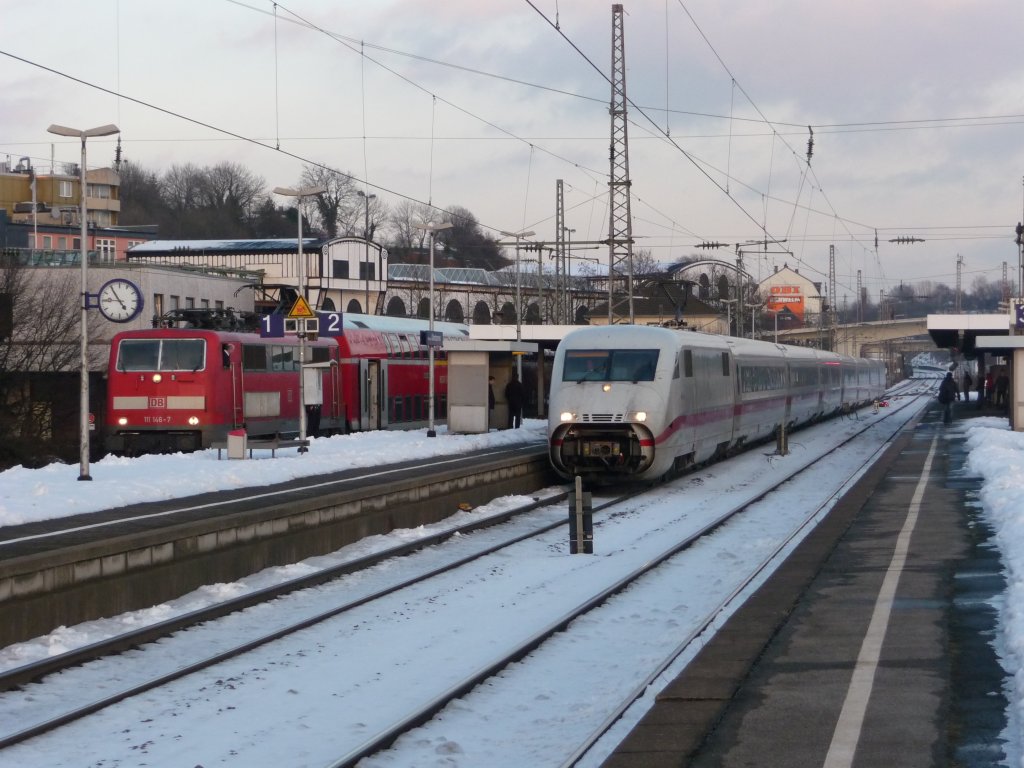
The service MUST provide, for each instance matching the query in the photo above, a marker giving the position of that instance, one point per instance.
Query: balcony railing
(40, 257)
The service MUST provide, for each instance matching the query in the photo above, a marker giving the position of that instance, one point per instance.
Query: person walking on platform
(514, 394)
(947, 394)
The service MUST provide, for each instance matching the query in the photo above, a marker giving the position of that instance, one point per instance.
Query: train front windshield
(610, 365)
(161, 354)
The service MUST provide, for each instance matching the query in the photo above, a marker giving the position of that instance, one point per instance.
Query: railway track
(376, 739)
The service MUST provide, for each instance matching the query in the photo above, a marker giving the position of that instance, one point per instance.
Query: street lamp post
(775, 313)
(366, 236)
(728, 314)
(299, 194)
(754, 306)
(430, 229)
(83, 403)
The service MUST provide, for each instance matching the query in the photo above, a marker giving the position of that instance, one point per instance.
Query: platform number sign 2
(331, 323)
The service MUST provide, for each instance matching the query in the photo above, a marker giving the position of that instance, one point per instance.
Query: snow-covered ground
(996, 454)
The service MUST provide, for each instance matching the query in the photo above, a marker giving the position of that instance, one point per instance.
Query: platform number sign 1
(1018, 311)
(272, 326)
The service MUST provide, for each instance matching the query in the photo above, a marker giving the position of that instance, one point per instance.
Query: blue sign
(272, 326)
(431, 338)
(327, 324)
(331, 323)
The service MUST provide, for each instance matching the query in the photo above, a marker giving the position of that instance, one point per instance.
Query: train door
(382, 401)
(313, 396)
(231, 355)
(369, 400)
(336, 398)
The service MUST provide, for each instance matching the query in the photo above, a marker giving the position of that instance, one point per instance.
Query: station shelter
(992, 340)
(471, 364)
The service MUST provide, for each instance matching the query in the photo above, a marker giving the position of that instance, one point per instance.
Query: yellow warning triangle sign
(300, 309)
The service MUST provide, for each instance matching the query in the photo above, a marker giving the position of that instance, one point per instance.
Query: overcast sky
(917, 109)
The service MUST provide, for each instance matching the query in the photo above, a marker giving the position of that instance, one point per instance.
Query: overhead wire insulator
(810, 145)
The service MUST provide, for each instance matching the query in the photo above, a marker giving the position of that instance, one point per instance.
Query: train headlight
(566, 416)
(640, 416)
(607, 388)
(157, 378)
(122, 422)
(193, 421)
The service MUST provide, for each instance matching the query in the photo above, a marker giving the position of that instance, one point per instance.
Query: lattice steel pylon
(832, 296)
(560, 303)
(620, 222)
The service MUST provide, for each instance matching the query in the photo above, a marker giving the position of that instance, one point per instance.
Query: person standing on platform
(514, 396)
(1002, 388)
(967, 385)
(947, 394)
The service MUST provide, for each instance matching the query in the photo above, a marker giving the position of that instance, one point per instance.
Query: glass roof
(467, 276)
(415, 272)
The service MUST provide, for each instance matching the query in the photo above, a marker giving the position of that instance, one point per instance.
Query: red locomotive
(182, 389)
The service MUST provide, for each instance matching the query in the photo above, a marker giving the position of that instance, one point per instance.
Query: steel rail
(430, 709)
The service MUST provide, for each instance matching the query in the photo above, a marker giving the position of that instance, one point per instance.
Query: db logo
(158, 402)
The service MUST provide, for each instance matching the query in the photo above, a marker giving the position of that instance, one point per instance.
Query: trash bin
(237, 440)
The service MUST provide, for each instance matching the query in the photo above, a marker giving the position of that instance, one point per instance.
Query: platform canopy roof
(961, 332)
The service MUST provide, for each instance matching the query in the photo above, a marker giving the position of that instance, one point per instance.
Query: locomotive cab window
(161, 355)
(610, 365)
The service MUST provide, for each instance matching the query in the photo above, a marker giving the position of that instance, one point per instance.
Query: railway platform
(869, 647)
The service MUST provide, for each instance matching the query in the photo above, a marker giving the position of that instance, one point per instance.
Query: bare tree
(35, 358)
(403, 220)
(330, 205)
(468, 243)
(365, 215)
(181, 187)
(644, 263)
(141, 202)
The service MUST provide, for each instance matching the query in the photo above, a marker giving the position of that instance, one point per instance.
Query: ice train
(637, 402)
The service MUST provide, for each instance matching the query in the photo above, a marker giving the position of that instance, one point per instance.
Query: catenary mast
(620, 227)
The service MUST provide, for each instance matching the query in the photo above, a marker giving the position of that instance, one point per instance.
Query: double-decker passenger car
(638, 402)
(182, 389)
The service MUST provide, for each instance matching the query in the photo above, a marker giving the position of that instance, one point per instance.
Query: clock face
(119, 300)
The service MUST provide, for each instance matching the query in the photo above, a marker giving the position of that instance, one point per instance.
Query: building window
(190, 302)
(100, 191)
(65, 189)
(204, 303)
(62, 243)
(175, 302)
(218, 304)
(366, 271)
(158, 304)
(339, 270)
(106, 248)
(47, 242)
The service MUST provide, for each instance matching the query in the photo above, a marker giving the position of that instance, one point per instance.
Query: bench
(257, 444)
